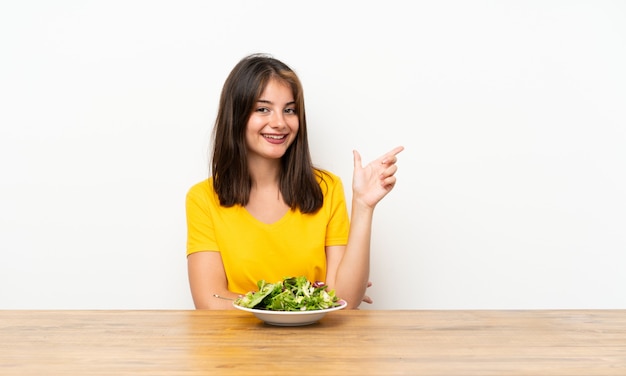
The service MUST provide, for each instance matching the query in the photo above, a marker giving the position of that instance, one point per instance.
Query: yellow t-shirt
(252, 250)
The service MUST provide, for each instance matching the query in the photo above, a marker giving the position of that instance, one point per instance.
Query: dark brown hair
(231, 178)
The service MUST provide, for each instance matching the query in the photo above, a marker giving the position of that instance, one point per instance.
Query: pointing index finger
(392, 154)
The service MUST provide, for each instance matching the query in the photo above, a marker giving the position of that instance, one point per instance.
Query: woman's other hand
(372, 182)
(366, 298)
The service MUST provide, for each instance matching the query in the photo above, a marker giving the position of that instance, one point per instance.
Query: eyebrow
(270, 102)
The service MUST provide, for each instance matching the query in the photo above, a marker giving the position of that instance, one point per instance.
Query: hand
(372, 182)
(366, 298)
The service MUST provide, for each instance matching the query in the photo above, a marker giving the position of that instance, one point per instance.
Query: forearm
(207, 279)
(353, 272)
(216, 301)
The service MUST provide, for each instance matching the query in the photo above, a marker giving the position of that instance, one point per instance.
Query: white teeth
(273, 137)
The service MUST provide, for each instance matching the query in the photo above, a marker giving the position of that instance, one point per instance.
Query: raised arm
(348, 269)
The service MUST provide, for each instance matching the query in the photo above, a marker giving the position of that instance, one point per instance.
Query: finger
(390, 171)
(391, 155)
(389, 160)
(388, 183)
(357, 159)
(388, 178)
(367, 299)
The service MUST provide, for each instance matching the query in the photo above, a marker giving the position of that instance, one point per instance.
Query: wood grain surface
(364, 342)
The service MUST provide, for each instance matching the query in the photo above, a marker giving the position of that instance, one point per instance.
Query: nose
(278, 120)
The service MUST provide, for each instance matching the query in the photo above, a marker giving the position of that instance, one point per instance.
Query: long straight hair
(232, 182)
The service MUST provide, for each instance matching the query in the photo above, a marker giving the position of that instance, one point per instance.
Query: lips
(275, 138)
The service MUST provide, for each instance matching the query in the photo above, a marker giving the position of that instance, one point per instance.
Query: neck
(264, 173)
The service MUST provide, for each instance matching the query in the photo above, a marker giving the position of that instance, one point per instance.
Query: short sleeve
(339, 223)
(200, 229)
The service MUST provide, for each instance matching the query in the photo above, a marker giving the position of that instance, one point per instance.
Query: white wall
(511, 187)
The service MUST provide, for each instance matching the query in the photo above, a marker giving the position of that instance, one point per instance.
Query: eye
(263, 109)
(291, 111)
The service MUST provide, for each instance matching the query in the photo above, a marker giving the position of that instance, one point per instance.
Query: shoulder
(327, 180)
(323, 175)
(203, 188)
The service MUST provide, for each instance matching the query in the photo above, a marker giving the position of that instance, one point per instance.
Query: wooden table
(365, 342)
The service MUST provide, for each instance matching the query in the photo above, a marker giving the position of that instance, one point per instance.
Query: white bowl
(291, 318)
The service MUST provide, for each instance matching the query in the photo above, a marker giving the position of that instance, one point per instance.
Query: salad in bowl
(292, 301)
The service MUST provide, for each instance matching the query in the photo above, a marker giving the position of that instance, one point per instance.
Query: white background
(511, 191)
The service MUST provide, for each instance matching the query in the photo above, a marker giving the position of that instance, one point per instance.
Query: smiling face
(273, 124)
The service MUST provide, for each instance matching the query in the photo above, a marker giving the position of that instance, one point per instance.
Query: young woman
(266, 212)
